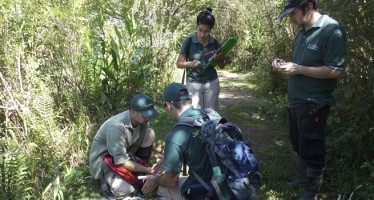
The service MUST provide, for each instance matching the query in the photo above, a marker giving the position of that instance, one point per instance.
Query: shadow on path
(233, 94)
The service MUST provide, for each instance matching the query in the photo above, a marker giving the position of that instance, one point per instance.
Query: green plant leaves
(69, 65)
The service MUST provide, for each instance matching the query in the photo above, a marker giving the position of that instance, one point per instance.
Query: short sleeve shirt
(116, 135)
(322, 45)
(196, 51)
(184, 143)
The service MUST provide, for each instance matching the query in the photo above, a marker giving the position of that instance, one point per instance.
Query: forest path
(268, 138)
(234, 93)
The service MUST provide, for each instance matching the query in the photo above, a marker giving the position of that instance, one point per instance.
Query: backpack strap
(193, 122)
(209, 189)
(189, 121)
(206, 130)
(203, 183)
(205, 127)
(226, 162)
(188, 47)
(215, 119)
(212, 149)
(210, 113)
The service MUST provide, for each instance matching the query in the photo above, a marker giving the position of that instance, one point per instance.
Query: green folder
(225, 49)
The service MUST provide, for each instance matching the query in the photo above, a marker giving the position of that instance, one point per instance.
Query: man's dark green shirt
(324, 44)
(184, 144)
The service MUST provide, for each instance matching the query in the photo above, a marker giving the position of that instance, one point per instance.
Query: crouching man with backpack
(185, 144)
(122, 147)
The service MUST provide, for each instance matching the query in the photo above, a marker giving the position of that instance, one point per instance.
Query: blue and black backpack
(233, 161)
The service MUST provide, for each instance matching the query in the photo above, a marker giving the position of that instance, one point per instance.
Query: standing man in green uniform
(182, 144)
(123, 136)
(318, 59)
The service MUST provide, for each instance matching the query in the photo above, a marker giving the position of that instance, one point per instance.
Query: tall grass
(66, 66)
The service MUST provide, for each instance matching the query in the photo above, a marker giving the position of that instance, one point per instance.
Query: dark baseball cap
(291, 5)
(143, 103)
(176, 92)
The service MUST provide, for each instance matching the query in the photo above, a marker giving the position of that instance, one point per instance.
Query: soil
(232, 96)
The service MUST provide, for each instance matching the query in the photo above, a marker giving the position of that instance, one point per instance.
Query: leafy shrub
(66, 66)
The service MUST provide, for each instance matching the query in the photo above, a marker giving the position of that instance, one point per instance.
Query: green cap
(176, 92)
(143, 103)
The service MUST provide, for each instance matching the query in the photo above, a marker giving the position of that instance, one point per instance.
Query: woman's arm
(183, 63)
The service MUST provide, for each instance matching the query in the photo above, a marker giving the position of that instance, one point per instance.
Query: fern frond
(43, 105)
(15, 181)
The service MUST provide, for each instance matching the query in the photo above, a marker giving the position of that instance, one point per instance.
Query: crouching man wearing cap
(182, 144)
(318, 60)
(122, 147)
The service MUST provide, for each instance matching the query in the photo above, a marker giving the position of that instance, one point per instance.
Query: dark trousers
(307, 125)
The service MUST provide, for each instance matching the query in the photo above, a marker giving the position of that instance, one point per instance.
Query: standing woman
(202, 83)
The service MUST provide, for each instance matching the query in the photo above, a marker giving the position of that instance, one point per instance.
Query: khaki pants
(118, 186)
(172, 193)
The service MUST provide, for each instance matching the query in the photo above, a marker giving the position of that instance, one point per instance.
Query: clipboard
(226, 48)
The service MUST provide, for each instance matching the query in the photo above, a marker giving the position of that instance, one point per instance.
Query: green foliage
(262, 37)
(39, 98)
(350, 141)
(125, 71)
(66, 66)
(15, 180)
(77, 63)
(145, 66)
(352, 120)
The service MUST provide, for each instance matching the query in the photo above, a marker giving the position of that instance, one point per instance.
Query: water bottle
(217, 174)
(220, 180)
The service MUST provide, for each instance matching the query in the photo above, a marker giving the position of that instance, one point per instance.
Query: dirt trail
(230, 96)
(233, 96)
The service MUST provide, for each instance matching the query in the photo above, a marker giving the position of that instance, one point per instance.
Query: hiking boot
(301, 174)
(313, 183)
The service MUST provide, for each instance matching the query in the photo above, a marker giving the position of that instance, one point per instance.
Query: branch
(19, 71)
(14, 104)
